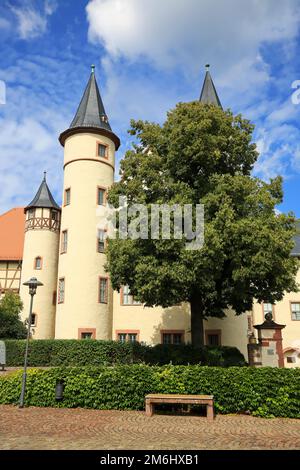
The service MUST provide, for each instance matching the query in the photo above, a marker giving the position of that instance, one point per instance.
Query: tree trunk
(197, 321)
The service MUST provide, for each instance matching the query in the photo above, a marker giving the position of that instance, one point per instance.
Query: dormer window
(102, 151)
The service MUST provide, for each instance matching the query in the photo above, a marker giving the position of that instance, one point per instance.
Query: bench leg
(149, 408)
(210, 412)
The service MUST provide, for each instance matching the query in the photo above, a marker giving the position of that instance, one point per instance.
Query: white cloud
(183, 35)
(32, 22)
(191, 32)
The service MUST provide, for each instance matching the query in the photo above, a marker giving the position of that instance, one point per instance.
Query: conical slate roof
(43, 198)
(91, 112)
(90, 115)
(209, 94)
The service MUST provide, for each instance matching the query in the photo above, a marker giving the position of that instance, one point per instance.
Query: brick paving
(54, 428)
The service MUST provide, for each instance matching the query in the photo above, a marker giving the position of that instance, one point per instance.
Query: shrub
(263, 392)
(96, 353)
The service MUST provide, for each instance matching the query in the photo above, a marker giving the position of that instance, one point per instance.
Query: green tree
(10, 323)
(202, 154)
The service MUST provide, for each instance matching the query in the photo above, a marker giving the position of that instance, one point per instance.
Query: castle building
(64, 248)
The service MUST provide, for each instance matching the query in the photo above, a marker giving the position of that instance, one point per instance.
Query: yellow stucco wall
(82, 265)
(43, 243)
(149, 321)
(233, 330)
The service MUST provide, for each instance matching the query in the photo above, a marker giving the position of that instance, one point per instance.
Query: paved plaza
(54, 428)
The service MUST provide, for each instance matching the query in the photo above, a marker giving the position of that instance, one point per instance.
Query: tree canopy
(202, 154)
(10, 323)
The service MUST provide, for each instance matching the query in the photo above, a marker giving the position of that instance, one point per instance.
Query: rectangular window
(33, 319)
(290, 359)
(132, 337)
(122, 337)
(61, 291)
(86, 335)
(295, 308)
(177, 338)
(100, 196)
(213, 337)
(213, 340)
(67, 197)
(102, 150)
(128, 337)
(64, 241)
(101, 241)
(38, 263)
(54, 215)
(31, 213)
(167, 338)
(268, 308)
(103, 290)
(172, 337)
(127, 298)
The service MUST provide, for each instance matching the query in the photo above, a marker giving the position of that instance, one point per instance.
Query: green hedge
(263, 392)
(99, 353)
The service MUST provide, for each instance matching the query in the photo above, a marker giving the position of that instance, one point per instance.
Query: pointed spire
(43, 197)
(209, 94)
(90, 115)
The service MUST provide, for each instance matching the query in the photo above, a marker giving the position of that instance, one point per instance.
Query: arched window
(38, 262)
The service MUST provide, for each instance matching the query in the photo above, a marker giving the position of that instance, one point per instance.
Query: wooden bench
(207, 400)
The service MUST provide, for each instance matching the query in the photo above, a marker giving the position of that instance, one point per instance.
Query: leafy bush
(10, 324)
(97, 353)
(263, 392)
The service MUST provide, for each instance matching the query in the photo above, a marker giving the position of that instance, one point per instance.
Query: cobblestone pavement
(54, 428)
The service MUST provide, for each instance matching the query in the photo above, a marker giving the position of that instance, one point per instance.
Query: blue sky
(149, 54)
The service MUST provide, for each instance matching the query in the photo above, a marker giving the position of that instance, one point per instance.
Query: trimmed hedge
(266, 392)
(99, 353)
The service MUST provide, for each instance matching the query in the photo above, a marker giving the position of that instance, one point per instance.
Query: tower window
(295, 308)
(101, 241)
(102, 151)
(33, 319)
(61, 290)
(68, 197)
(64, 241)
(54, 215)
(38, 263)
(100, 196)
(103, 287)
(31, 213)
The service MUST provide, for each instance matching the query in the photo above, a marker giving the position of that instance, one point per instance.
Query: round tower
(40, 260)
(84, 301)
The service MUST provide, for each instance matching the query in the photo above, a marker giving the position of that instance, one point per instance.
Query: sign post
(2, 355)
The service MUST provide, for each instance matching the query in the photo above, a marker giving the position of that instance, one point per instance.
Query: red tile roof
(12, 234)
